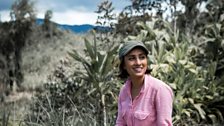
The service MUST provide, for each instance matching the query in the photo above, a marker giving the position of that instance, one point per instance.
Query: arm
(164, 106)
(120, 121)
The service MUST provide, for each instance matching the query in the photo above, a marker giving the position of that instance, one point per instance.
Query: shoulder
(157, 84)
(125, 88)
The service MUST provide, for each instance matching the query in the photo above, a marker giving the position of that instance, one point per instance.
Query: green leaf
(193, 71)
(187, 112)
(213, 118)
(191, 100)
(103, 63)
(200, 110)
(90, 50)
(78, 58)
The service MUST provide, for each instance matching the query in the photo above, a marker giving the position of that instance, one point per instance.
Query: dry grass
(39, 59)
(15, 108)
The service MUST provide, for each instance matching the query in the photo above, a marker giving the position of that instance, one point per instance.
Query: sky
(72, 12)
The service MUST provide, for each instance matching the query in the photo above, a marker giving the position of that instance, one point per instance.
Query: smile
(138, 69)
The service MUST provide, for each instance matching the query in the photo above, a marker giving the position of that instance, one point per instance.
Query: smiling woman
(143, 100)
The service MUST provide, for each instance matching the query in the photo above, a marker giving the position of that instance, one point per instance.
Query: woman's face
(135, 63)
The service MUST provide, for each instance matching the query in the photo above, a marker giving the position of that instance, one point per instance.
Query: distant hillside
(77, 28)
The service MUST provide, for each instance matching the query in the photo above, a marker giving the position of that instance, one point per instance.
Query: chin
(139, 75)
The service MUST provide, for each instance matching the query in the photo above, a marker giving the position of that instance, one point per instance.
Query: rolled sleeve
(164, 105)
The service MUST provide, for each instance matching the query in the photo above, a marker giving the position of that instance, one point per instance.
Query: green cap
(128, 46)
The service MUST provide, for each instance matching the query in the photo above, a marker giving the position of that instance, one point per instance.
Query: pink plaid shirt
(152, 107)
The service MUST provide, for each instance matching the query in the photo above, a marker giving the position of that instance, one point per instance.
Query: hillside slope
(44, 54)
(41, 56)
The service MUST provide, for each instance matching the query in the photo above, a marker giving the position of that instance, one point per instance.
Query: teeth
(138, 69)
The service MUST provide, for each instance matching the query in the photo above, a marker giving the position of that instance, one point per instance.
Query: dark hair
(123, 74)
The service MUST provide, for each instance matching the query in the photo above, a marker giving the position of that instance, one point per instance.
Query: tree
(22, 10)
(106, 15)
(14, 38)
(48, 26)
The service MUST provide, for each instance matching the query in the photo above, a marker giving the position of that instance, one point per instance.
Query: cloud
(63, 5)
(72, 17)
(4, 15)
(90, 5)
(65, 11)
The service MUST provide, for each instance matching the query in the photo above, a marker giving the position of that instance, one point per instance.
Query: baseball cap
(128, 46)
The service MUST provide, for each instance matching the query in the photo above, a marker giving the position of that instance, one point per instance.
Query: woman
(143, 100)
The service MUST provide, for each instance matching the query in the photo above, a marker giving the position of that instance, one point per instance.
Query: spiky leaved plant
(98, 75)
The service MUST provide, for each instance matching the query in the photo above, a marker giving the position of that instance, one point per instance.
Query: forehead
(136, 50)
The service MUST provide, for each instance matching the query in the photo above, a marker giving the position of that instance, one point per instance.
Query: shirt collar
(144, 86)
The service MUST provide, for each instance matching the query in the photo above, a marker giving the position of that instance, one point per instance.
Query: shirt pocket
(145, 111)
(141, 115)
(144, 117)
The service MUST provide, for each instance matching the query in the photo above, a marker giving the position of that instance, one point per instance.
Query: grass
(39, 59)
(12, 113)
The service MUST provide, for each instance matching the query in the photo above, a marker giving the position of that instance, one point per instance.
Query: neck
(137, 82)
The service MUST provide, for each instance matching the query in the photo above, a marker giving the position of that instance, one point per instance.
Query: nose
(137, 61)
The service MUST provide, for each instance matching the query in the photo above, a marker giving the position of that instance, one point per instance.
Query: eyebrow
(130, 55)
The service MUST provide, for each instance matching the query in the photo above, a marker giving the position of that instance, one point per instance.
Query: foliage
(188, 55)
(87, 96)
(13, 40)
(198, 92)
(22, 10)
(106, 24)
(47, 18)
(62, 103)
(186, 52)
(139, 11)
(142, 6)
(99, 70)
(5, 118)
(48, 27)
(105, 14)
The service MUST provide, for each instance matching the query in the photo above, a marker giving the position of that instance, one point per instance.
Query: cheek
(146, 63)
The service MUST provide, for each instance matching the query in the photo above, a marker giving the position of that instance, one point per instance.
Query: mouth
(138, 69)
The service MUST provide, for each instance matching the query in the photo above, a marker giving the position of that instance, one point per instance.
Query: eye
(142, 57)
(131, 58)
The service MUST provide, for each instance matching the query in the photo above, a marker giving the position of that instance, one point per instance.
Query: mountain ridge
(83, 28)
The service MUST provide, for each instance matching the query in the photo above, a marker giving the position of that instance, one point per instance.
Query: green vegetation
(81, 88)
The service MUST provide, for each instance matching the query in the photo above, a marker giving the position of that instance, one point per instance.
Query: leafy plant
(198, 94)
(87, 96)
(99, 75)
